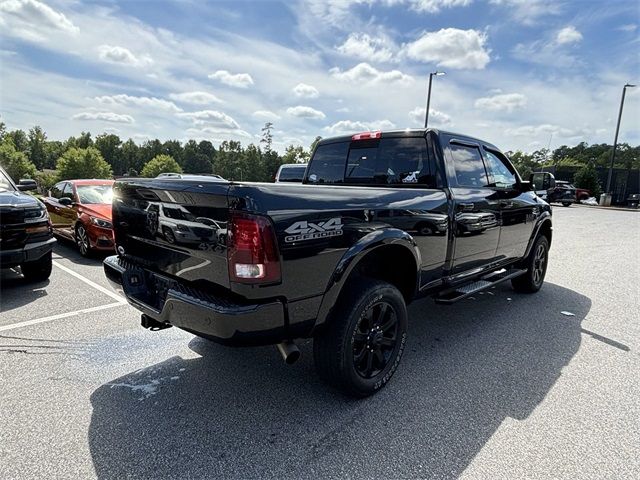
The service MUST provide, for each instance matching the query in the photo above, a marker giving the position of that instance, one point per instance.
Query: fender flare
(353, 256)
(545, 217)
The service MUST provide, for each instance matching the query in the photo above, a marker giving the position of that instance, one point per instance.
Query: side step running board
(460, 292)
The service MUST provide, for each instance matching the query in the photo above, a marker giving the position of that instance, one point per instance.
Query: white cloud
(366, 47)
(122, 55)
(211, 119)
(528, 12)
(238, 80)
(305, 112)
(145, 102)
(451, 48)
(547, 129)
(306, 91)
(434, 6)
(363, 72)
(350, 126)
(504, 102)
(104, 116)
(547, 53)
(568, 35)
(436, 117)
(38, 15)
(221, 134)
(266, 114)
(195, 98)
(629, 27)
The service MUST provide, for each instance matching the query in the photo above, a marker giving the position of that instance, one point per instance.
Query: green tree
(16, 163)
(53, 151)
(523, 162)
(130, 156)
(587, 177)
(174, 149)
(109, 146)
(37, 147)
(20, 140)
(295, 154)
(82, 163)
(194, 161)
(267, 137)
(160, 164)
(228, 162)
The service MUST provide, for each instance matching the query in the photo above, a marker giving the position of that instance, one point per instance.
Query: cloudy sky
(521, 73)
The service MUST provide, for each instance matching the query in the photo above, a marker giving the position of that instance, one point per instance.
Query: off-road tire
(536, 265)
(352, 329)
(37, 271)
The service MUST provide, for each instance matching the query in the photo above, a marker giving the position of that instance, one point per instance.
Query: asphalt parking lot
(499, 386)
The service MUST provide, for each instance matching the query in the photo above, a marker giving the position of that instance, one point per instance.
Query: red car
(80, 210)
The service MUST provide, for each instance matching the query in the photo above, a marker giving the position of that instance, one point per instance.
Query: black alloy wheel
(536, 264)
(374, 339)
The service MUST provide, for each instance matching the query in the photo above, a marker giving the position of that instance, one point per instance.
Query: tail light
(252, 250)
(367, 136)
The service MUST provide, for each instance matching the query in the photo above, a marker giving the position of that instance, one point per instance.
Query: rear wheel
(362, 344)
(82, 241)
(38, 270)
(168, 235)
(536, 264)
(566, 204)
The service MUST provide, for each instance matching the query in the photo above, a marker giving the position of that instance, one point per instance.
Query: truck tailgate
(176, 227)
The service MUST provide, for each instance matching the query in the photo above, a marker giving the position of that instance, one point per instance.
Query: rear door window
(467, 162)
(328, 163)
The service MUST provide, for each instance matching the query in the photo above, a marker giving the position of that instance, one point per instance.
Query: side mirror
(26, 184)
(66, 201)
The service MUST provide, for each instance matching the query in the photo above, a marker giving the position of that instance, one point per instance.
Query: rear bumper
(219, 318)
(29, 253)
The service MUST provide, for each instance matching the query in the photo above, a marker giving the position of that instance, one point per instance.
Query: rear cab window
(292, 173)
(384, 161)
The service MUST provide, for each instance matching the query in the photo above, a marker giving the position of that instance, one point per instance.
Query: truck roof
(409, 132)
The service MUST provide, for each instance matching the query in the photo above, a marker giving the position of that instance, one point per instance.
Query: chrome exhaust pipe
(289, 351)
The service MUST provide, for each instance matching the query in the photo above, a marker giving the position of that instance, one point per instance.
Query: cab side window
(56, 190)
(500, 175)
(67, 191)
(468, 165)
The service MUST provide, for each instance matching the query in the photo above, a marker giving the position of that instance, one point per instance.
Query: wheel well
(393, 264)
(546, 230)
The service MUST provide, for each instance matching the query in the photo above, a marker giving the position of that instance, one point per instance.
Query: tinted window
(292, 174)
(404, 160)
(328, 163)
(56, 190)
(362, 162)
(501, 176)
(468, 165)
(67, 191)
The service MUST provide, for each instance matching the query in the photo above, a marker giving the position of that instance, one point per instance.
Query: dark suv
(26, 238)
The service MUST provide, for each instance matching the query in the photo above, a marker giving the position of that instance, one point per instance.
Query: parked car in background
(291, 172)
(26, 239)
(548, 188)
(581, 193)
(80, 211)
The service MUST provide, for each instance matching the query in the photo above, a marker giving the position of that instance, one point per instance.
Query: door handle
(466, 207)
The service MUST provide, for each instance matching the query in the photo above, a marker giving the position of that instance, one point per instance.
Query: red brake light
(367, 135)
(252, 250)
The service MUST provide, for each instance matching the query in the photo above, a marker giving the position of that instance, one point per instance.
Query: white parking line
(59, 316)
(100, 288)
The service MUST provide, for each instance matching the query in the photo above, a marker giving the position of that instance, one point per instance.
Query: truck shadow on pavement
(241, 413)
(16, 291)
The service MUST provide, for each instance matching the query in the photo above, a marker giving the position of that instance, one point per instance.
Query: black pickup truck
(379, 220)
(26, 238)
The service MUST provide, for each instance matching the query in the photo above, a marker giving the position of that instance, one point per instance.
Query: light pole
(608, 191)
(426, 116)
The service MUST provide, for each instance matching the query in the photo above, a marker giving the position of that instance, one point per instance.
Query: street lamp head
(438, 73)
(629, 85)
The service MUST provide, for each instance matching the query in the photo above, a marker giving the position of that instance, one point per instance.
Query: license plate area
(146, 287)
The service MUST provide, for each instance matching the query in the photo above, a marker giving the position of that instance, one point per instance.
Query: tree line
(32, 155)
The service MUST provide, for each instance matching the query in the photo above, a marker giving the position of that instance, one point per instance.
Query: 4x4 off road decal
(304, 230)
